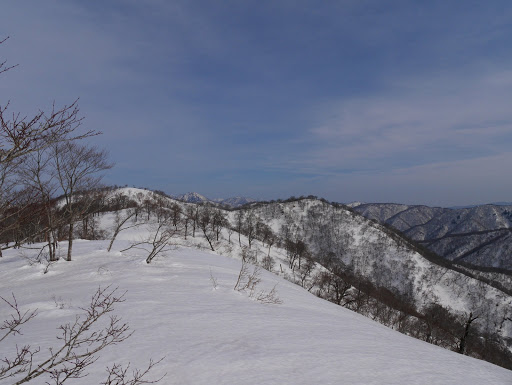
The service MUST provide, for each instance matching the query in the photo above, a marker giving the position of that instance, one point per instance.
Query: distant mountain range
(193, 197)
(479, 235)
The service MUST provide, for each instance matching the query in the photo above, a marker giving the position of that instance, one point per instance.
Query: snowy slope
(370, 251)
(219, 336)
(479, 235)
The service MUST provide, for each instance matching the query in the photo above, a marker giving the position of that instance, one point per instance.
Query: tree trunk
(70, 241)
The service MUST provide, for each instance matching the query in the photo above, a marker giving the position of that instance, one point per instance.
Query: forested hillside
(326, 248)
(480, 235)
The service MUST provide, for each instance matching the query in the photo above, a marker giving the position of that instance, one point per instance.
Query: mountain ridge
(452, 233)
(193, 197)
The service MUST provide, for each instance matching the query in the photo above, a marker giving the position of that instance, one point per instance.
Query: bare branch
(3, 66)
(20, 135)
(13, 324)
(118, 375)
(80, 341)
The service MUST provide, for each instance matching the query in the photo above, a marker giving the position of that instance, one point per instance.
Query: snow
(221, 336)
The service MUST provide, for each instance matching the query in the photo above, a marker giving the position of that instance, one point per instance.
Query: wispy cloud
(426, 121)
(282, 98)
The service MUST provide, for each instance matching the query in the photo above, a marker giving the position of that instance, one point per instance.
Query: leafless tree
(333, 288)
(249, 227)
(464, 337)
(157, 242)
(3, 65)
(80, 342)
(239, 217)
(176, 212)
(268, 263)
(16, 320)
(205, 221)
(266, 235)
(296, 252)
(118, 375)
(192, 214)
(21, 135)
(304, 274)
(247, 282)
(219, 221)
(36, 172)
(78, 168)
(121, 223)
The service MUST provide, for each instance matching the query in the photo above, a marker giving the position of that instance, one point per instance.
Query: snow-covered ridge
(337, 235)
(235, 201)
(478, 235)
(193, 197)
(210, 334)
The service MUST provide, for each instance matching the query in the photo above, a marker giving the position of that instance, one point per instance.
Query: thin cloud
(284, 97)
(455, 122)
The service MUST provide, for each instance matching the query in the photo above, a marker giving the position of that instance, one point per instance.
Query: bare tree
(205, 221)
(464, 337)
(80, 342)
(219, 221)
(16, 320)
(248, 281)
(121, 224)
(77, 169)
(157, 242)
(176, 212)
(3, 65)
(266, 235)
(36, 172)
(296, 252)
(239, 217)
(118, 375)
(191, 214)
(249, 227)
(21, 135)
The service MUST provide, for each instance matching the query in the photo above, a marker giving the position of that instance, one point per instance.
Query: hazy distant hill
(480, 235)
(236, 201)
(193, 197)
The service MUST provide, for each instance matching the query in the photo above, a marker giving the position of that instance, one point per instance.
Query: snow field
(221, 336)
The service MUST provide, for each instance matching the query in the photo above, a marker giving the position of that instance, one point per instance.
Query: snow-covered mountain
(192, 197)
(336, 254)
(354, 204)
(182, 309)
(479, 235)
(235, 201)
(387, 260)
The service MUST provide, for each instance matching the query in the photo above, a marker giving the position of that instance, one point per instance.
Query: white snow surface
(221, 336)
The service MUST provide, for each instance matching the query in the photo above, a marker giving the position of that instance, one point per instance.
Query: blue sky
(395, 101)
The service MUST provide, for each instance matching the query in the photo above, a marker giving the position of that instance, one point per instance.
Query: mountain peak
(192, 197)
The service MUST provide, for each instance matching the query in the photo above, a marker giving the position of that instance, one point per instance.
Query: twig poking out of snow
(80, 343)
(213, 280)
(248, 281)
